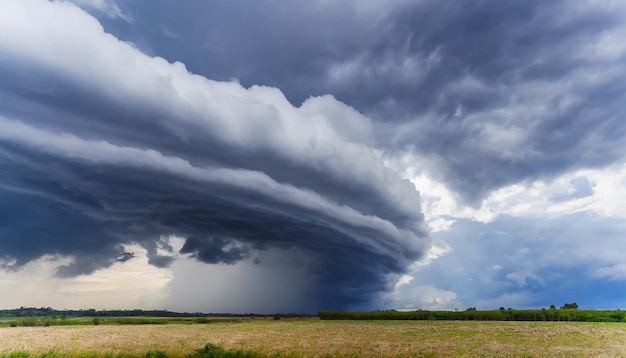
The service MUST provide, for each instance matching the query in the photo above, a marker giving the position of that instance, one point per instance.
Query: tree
(552, 307)
(569, 306)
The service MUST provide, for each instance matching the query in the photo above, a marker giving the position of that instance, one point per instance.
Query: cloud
(114, 147)
(485, 94)
(107, 7)
(518, 97)
(614, 272)
(124, 285)
(411, 297)
(527, 262)
(264, 132)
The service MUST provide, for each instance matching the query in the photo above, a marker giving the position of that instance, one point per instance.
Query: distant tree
(569, 306)
(552, 307)
(471, 309)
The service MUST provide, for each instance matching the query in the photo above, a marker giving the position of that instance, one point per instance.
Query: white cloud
(520, 277)
(404, 280)
(594, 190)
(108, 7)
(419, 297)
(615, 272)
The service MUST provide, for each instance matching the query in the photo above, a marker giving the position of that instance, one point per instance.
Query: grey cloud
(116, 199)
(206, 120)
(125, 256)
(510, 95)
(120, 148)
(155, 257)
(215, 250)
(490, 93)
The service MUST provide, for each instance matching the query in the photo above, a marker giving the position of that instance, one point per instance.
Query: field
(317, 338)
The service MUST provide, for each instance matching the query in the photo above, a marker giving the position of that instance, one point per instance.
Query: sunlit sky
(266, 156)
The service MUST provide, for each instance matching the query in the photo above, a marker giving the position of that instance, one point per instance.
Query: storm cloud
(483, 94)
(114, 147)
(280, 144)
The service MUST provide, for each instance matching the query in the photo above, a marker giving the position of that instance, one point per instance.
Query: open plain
(316, 338)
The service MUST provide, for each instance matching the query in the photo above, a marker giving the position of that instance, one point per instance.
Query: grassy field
(315, 338)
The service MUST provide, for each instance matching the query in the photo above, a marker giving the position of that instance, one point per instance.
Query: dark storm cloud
(215, 250)
(489, 92)
(102, 146)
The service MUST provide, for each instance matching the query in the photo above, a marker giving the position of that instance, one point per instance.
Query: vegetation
(209, 351)
(569, 314)
(54, 313)
(297, 337)
(569, 306)
(47, 316)
(34, 332)
(86, 321)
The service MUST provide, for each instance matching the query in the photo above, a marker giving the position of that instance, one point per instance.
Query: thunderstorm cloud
(102, 145)
(311, 155)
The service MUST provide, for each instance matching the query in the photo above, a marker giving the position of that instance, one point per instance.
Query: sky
(271, 156)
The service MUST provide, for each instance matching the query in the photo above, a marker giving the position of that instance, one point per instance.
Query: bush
(29, 322)
(214, 351)
(19, 355)
(139, 320)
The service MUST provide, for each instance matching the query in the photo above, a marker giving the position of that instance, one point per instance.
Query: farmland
(318, 338)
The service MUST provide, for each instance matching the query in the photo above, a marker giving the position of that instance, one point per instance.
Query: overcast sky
(267, 156)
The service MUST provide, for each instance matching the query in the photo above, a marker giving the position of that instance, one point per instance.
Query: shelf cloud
(118, 147)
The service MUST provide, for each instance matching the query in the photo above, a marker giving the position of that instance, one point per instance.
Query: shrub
(29, 322)
(19, 355)
(213, 351)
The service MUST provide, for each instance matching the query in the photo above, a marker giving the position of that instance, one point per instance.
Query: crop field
(317, 338)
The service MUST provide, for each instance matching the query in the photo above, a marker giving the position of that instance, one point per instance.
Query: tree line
(51, 312)
(472, 314)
